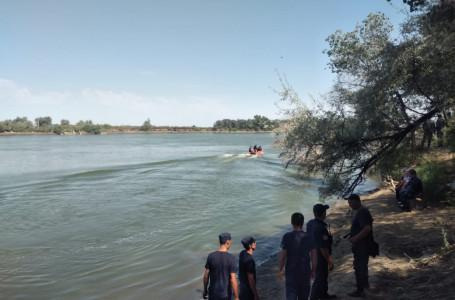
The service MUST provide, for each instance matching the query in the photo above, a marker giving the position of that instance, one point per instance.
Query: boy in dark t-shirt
(247, 270)
(220, 270)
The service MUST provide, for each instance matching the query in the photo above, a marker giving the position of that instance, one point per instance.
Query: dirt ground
(417, 253)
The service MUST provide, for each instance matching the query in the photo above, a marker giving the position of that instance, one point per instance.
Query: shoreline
(410, 264)
(115, 132)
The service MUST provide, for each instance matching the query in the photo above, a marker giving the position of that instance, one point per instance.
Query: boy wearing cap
(297, 250)
(360, 234)
(317, 228)
(220, 270)
(247, 270)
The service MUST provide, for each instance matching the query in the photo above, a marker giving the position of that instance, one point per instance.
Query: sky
(175, 62)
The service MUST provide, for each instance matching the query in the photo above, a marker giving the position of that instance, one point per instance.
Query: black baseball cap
(319, 209)
(412, 171)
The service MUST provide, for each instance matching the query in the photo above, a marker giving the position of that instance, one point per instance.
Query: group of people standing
(305, 255)
(431, 126)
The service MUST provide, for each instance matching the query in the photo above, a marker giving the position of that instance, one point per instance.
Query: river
(134, 216)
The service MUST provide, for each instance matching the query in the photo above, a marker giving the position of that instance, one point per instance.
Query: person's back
(295, 258)
(415, 187)
(298, 245)
(428, 126)
(221, 265)
(440, 123)
(220, 269)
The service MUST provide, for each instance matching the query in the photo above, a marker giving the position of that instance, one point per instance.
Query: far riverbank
(158, 131)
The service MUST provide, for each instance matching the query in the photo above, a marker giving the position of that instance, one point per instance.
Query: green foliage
(433, 176)
(16, 125)
(82, 123)
(58, 129)
(414, 5)
(259, 123)
(91, 128)
(385, 90)
(147, 126)
(62, 129)
(450, 135)
(64, 122)
(43, 121)
(403, 156)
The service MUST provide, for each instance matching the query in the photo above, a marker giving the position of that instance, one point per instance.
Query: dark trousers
(298, 287)
(361, 258)
(320, 286)
(427, 136)
(245, 292)
(404, 198)
(439, 134)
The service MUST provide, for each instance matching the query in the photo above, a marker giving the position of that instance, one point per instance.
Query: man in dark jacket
(360, 235)
(317, 228)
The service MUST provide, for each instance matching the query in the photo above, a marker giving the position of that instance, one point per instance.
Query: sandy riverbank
(411, 264)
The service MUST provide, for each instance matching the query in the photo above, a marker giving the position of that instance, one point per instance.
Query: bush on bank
(434, 177)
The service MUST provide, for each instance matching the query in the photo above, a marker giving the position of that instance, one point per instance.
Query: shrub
(91, 128)
(450, 135)
(58, 129)
(433, 176)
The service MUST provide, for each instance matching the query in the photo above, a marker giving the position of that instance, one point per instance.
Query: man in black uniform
(220, 270)
(360, 236)
(247, 270)
(317, 228)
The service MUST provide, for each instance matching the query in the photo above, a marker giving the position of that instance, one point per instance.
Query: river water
(134, 216)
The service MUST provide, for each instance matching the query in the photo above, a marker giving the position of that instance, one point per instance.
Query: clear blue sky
(177, 62)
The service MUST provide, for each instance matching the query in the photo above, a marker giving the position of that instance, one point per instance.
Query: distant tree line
(45, 125)
(258, 123)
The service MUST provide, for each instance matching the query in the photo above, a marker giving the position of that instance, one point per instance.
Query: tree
(65, 122)
(258, 123)
(414, 4)
(43, 121)
(82, 123)
(385, 90)
(146, 126)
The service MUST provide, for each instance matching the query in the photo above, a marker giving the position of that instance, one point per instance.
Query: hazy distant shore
(158, 131)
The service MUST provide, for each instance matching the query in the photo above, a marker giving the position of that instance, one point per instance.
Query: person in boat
(259, 148)
(250, 150)
(255, 148)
